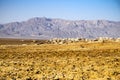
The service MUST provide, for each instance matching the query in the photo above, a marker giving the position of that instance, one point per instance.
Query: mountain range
(47, 28)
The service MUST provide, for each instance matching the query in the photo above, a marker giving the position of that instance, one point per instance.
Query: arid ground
(73, 61)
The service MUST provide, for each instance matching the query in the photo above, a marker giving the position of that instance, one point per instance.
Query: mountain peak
(38, 19)
(46, 28)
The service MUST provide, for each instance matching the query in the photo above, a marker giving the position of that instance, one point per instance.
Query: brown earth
(74, 61)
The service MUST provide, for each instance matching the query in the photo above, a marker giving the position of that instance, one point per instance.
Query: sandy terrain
(74, 61)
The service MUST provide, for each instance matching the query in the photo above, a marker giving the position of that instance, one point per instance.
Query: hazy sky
(20, 10)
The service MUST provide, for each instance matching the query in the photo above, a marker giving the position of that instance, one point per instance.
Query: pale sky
(21, 10)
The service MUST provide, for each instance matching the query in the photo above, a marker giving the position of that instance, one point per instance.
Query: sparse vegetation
(73, 61)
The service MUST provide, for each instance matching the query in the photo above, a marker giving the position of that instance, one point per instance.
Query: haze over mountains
(46, 28)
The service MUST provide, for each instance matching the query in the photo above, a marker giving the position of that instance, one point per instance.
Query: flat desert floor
(73, 61)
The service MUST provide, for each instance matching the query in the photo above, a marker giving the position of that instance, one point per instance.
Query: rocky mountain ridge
(47, 28)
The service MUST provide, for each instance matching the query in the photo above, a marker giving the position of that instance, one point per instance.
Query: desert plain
(25, 60)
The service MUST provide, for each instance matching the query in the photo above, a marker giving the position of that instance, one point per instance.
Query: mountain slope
(45, 28)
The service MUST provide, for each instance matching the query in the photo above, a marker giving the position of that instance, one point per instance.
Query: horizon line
(60, 19)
